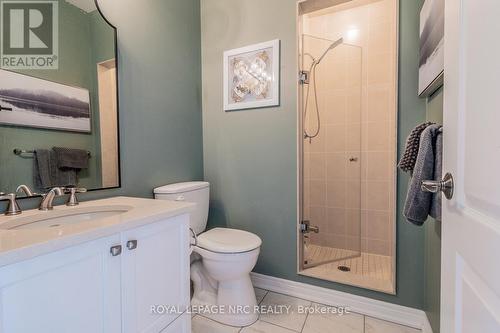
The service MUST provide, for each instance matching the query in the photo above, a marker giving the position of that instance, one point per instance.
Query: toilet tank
(196, 192)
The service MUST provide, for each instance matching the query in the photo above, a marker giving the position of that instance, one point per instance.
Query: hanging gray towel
(420, 204)
(407, 162)
(438, 175)
(71, 158)
(46, 174)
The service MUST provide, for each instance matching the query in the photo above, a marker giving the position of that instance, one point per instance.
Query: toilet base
(231, 302)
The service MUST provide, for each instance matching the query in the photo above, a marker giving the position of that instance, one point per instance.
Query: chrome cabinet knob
(116, 250)
(132, 244)
(446, 186)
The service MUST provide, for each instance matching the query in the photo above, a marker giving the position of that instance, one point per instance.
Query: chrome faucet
(48, 198)
(26, 190)
(73, 200)
(13, 207)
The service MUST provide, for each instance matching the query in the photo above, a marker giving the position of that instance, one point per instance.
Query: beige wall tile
(353, 168)
(353, 137)
(380, 70)
(336, 193)
(318, 217)
(317, 193)
(335, 166)
(376, 246)
(378, 225)
(353, 105)
(336, 221)
(334, 107)
(377, 138)
(379, 106)
(317, 144)
(353, 222)
(380, 38)
(353, 194)
(377, 195)
(353, 243)
(378, 166)
(335, 138)
(317, 167)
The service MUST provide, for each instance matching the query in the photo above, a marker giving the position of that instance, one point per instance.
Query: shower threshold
(367, 270)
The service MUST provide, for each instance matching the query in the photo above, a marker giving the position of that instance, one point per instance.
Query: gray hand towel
(71, 158)
(438, 175)
(46, 174)
(419, 204)
(407, 162)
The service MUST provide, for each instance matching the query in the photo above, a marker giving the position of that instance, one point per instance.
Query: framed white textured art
(252, 76)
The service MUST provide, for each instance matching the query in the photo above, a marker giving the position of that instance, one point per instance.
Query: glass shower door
(331, 159)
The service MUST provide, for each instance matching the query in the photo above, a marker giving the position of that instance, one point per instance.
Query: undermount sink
(63, 218)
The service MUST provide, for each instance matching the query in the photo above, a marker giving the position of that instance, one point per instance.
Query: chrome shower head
(331, 47)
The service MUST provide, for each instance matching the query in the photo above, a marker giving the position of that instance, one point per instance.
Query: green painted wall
(433, 236)
(250, 156)
(159, 82)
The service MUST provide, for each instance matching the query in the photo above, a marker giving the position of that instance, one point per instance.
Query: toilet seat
(225, 240)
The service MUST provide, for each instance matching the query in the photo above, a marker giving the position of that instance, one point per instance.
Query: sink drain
(54, 225)
(344, 268)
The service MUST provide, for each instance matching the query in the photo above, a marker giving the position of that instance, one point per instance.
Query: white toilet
(221, 262)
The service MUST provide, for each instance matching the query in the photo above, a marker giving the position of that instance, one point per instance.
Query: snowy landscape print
(32, 102)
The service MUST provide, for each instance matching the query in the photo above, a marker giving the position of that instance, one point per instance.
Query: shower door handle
(313, 229)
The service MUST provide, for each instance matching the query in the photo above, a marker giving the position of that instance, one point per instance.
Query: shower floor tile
(366, 270)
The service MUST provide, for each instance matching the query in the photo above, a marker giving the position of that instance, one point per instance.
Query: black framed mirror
(58, 96)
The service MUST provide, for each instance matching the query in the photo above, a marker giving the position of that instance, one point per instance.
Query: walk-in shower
(347, 138)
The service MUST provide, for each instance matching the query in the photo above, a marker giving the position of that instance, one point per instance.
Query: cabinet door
(74, 290)
(155, 273)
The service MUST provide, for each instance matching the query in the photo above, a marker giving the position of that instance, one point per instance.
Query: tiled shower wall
(356, 85)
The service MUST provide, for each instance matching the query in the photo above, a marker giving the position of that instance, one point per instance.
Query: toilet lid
(223, 240)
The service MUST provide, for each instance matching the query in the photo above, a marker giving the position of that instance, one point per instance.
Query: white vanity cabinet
(92, 288)
(155, 272)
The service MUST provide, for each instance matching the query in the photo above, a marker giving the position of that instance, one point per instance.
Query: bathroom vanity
(112, 265)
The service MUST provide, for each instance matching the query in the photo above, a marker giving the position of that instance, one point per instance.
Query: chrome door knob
(446, 186)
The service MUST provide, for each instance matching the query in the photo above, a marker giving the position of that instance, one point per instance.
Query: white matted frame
(252, 87)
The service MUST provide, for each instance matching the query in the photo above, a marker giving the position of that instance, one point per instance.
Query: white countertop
(22, 244)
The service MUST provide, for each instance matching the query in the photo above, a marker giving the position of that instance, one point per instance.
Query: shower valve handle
(306, 227)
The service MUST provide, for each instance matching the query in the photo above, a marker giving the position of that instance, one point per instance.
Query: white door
(180, 325)
(74, 290)
(155, 273)
(471, 220)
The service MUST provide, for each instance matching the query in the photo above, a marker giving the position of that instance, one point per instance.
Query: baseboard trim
(382, 310)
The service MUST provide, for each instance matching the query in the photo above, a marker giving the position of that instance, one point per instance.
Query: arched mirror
(58, 96)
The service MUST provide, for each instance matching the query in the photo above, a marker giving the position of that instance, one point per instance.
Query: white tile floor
(294, 322)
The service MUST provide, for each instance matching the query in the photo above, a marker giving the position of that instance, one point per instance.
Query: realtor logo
(29, 34)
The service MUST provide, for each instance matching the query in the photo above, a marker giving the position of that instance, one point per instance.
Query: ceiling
(308, 6)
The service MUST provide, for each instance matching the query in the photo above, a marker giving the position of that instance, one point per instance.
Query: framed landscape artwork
(431, 66)
(252, 76)
(32, 102)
